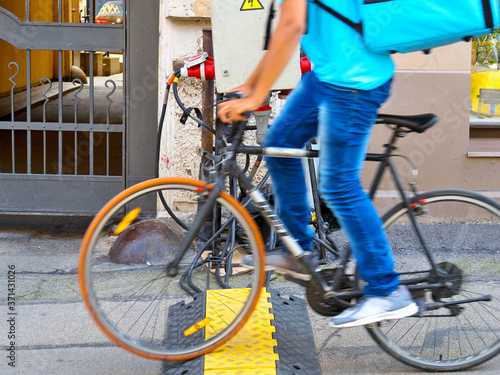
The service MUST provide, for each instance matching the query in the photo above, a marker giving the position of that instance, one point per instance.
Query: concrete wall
(439, 83)
(181, 27)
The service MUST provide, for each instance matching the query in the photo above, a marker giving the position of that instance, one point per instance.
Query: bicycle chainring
(317, 300)
(452, 276)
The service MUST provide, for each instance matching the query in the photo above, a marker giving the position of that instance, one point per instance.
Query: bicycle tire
(468, 249)
(131, 302)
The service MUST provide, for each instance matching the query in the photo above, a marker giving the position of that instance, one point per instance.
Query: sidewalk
(54, 334)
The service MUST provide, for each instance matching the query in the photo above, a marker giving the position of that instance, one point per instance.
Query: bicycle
(321, 240)
(457, 293)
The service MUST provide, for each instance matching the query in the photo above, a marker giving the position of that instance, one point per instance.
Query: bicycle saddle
(417, 123)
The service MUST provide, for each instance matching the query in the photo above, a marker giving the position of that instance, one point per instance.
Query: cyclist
(338, 101)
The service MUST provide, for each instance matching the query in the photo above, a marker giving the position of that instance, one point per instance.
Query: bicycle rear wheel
(463, 232)
(142, 307)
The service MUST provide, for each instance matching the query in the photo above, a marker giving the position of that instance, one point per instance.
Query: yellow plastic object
(196, 327)
(127, 220)
(251, 351)
(483, 80)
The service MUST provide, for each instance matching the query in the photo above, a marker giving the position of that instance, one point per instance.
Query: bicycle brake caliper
(417, 206)
(201, 192)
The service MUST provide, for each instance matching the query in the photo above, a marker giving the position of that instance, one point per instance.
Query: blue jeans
(342, 118)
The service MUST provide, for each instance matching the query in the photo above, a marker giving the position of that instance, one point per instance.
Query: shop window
(485, 79)
(485, 97)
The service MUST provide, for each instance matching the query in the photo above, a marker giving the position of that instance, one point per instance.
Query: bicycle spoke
(158, 311)
(155, 299)
(147, 285)
(461, 329)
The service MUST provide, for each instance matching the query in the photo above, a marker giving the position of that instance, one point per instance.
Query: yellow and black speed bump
(277, 339)
(296, 347)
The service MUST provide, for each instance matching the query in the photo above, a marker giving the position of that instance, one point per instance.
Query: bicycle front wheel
(140, 302)
(461, 325)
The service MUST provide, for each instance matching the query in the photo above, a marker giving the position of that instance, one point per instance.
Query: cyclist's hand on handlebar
(236, 110)
(245, 90)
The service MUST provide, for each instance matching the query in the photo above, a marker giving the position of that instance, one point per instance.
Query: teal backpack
(390, 26)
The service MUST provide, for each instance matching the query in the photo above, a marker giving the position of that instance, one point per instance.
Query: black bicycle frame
(385, 163)
(229, 167)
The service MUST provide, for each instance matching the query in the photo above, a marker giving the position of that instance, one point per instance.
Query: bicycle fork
(193, 232)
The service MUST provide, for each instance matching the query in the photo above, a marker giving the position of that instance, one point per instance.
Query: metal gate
(70, 141)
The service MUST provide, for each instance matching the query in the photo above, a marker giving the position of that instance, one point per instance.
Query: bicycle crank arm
(300, 282)
(438, 305)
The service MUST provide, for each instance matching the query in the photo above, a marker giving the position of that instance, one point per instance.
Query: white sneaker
(283, 262)
(399, 304)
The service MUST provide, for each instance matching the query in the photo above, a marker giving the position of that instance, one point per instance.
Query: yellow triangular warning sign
(251, 5)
